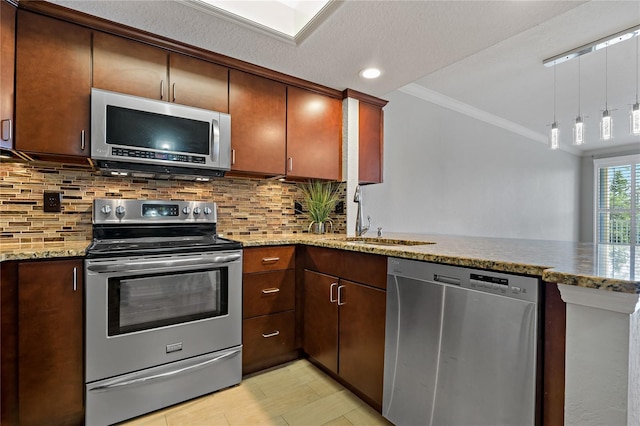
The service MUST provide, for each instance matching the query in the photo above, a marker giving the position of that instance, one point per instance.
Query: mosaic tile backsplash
(246, 206)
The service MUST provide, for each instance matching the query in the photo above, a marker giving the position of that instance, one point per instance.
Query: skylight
(287, 17)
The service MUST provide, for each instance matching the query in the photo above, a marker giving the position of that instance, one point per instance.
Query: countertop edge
(546, 273)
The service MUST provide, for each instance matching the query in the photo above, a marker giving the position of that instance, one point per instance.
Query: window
(617, 216)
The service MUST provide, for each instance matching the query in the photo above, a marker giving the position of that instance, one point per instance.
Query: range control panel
(116, 210)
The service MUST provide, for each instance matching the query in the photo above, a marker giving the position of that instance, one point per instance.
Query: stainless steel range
(163, 307)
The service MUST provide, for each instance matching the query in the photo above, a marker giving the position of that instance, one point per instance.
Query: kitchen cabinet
(53, 88)
(50, 342)
(7, 59)
(344, 319)
(131, 67)
(314, 135)
(370, 136)
(268, 307)
(370, 143)
(258, 108)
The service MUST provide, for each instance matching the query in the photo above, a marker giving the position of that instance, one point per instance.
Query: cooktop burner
(135, 227)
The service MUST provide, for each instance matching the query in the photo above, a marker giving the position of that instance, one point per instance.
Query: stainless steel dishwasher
(461, 346)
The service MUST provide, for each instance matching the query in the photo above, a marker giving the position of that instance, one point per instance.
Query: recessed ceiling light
(370, 73)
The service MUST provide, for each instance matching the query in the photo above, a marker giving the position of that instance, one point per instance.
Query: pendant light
(606, 123)
(554, 133)
(578, 125)
(634, 114)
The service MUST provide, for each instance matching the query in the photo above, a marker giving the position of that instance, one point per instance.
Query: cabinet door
(198, 83)
(50, 332)
(321, 318)
(362, 318)
(7, 58)
(258, 109)
(53, 86)
(370, 131)
(314, 134)
(126, 66)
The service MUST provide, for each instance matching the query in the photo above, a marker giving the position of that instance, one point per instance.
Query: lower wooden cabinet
(268, 340)
(50, 343)
(268, 307)
(344, 320)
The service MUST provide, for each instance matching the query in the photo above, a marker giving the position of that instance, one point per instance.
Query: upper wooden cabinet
(7, 58)
(53, 87)
(370, 136)
(127, 66)
(314, 135)
(370, 143)
(258, 108)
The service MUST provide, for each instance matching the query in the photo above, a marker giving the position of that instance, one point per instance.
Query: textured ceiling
(485, 54)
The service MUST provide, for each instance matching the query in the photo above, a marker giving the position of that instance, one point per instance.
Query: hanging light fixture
(634, 114)
(578, 125)
(606, 123)
(554, 133)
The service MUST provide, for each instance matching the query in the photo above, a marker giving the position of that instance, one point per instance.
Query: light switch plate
(52, 201)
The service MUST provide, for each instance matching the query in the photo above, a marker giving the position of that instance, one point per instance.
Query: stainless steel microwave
(151, 138)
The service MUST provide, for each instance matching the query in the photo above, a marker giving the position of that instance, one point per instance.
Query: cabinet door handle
(161, 89)
(270, 259)
(174, 92)
(233, 157)
(340, 299)
(7, 129)
(290, 164)
(270, 290)
(274, 334)
(82, 140)
(331, 298)
(75, 279)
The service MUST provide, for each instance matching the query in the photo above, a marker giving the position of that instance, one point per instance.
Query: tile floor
(297, 394)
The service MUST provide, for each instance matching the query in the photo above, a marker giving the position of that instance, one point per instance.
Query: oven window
(143, 302)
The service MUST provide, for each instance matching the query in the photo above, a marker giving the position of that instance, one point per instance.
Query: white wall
(447, 173)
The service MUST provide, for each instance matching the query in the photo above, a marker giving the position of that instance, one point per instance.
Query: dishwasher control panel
(509, 285)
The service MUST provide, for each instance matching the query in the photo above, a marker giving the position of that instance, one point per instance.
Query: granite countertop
(580, 264)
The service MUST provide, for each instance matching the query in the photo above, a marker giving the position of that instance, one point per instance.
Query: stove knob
(207, 210)
(106, 209)
(120, 211)
(197, 211)
(186, 210)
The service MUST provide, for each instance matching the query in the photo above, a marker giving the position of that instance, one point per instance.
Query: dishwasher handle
(446, 280)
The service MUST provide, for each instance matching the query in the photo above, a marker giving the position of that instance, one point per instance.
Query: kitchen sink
(386, 241)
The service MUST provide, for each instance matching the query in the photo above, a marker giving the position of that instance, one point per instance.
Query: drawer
(266, 293)
(271, 258)
(268, 336)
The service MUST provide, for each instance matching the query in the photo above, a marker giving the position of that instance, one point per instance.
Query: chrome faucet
(360, 230)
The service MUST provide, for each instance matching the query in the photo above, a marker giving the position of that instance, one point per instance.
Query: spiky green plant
(320, 199)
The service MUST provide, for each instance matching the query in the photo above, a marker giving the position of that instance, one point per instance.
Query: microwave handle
(215, 154)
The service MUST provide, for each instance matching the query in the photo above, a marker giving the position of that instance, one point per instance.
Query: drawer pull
(270, 259)
(274, 334)
(270, 290)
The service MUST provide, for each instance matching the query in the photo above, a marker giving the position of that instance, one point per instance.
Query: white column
(350, 140)
(602, 371)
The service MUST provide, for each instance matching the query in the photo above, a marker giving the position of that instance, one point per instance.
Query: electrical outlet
(52, 201)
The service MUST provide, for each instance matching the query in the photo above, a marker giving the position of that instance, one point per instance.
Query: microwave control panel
(154, 155)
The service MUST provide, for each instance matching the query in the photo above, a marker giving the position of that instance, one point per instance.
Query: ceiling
(482, 58)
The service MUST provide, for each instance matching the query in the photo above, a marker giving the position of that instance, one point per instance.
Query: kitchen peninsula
(574, 266)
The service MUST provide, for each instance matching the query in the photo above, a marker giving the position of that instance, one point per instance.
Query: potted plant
(320, 199)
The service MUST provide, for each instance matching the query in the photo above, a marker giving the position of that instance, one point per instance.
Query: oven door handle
(155, 264)
(126, 382)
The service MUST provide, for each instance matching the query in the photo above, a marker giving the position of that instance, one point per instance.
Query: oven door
(151, 310)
